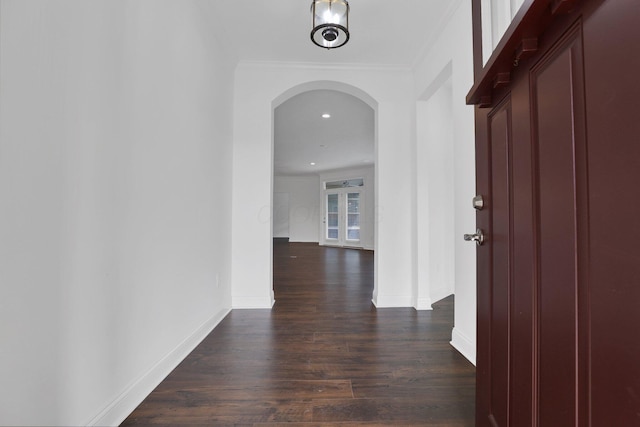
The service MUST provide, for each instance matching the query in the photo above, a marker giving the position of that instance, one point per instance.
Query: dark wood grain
(323, 356)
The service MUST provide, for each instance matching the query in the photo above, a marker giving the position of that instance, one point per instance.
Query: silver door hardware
(478, 202)
(478, 237)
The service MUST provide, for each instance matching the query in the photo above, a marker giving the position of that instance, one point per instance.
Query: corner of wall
(464, 345)
(251, 302)
(423, 304)
(120, 408)
(392, 301)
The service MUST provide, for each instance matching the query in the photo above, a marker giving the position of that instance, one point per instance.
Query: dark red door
(558, 165)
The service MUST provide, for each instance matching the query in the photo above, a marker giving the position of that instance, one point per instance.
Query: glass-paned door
(333, 217)
(353, 216)
(343, 218)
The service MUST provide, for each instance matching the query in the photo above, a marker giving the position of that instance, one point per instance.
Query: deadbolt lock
(478, 202)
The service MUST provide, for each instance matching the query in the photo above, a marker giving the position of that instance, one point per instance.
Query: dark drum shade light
(330, 23)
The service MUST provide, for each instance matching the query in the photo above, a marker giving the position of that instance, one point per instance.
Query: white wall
(436, 222)
(305, 193)
(115, 154)
(390, 93)
(303, 206)
(450, 57)
(280, 214)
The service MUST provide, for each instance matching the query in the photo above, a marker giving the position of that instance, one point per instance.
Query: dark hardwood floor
(324, 356)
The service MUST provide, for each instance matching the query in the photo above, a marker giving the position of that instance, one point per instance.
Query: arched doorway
(324, 145)
(258, 89)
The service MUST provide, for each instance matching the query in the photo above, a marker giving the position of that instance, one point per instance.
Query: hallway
(323, 356)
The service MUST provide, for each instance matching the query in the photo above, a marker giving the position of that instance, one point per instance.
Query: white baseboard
(389, 301)
(120, 408)
(239, 303)
(423, 304)
(464, 345)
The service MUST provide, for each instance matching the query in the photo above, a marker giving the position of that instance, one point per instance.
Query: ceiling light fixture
(326, 115)
(330, 23)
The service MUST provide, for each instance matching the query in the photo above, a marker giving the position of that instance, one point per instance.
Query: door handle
(477, 237)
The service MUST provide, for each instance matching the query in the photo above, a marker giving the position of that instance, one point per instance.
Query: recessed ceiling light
(312, 163)
(326, 115)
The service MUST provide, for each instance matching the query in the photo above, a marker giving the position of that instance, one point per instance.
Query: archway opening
(324, 144)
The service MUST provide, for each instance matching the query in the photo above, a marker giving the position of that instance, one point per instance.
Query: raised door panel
(500, 284)
(558, 123)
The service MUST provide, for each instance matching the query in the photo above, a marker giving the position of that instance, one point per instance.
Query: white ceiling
(383, 33)
(303, 136)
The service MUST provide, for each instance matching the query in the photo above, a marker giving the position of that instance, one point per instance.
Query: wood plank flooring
(324, 356)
